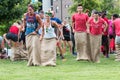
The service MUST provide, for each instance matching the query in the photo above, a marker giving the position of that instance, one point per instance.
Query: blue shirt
(31, 24)
(56, 20)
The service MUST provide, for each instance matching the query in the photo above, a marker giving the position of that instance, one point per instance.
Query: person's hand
(9, 43)
(88, 31)
(34, 32)
(73, 31)
(41, 38)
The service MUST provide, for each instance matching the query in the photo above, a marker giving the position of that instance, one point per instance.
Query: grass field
(70, 69)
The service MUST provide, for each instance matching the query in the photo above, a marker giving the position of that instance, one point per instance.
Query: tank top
(49, 32)
(14, 29)
(31, 24)
(66, 31)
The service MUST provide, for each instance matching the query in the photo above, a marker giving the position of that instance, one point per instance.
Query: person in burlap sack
(32, 23)
(12, 39)
(79, 20)
(94, 26)
(48, 44)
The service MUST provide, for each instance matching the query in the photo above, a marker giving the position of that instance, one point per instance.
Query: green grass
(71, 69)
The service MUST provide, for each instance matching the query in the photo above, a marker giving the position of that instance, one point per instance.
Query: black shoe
(62, 57)
(74, 53)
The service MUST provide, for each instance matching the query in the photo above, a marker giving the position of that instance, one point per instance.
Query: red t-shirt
(80, 22)
(14, 29)
(96, 28)
(116, 23)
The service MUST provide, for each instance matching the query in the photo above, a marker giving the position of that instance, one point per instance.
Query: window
(67, 18)
(57, 9)
(55, 0)
(67, 6)
(51, 2)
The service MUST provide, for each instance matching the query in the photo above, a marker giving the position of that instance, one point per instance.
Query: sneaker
(62, 57)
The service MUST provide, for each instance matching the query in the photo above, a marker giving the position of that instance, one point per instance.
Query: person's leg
(60, 49)
(106, 45)
(73, 44)
(70, 45)
(5, 38)
(3, 44)
(64, 46)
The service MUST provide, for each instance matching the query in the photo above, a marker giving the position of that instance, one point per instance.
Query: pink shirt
(80, 22)
(96, 28)
(116, 23)
(110, 28)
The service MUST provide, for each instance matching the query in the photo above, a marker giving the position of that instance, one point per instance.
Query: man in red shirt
(95, 29)
(116, 26)
(79, 20)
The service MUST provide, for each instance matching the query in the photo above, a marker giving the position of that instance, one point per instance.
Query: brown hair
(30, 5)
(87, 10)
(79, 5)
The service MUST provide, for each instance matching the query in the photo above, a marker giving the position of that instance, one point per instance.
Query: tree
(111, 6)
(87, 4)
(12, 10)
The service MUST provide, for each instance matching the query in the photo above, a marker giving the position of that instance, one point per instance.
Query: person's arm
(56, 25)
(59, 27)
(105, 26)
(88, 25)
(8, 41)
(24, 21)
(39, 22)
(19, 34)
(73, 24)
(41, 36)
(20, 30)
(113, 26)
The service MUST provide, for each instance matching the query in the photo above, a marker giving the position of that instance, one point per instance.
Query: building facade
(59, 6)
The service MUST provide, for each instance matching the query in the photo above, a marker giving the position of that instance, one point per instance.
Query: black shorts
(67, 38)
(11, 36)
(111, 36)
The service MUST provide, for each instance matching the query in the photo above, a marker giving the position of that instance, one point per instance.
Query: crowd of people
(40, 37)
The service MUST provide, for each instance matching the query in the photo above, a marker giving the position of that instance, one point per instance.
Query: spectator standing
(66, 30)
(116, 26)
(58, 33)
